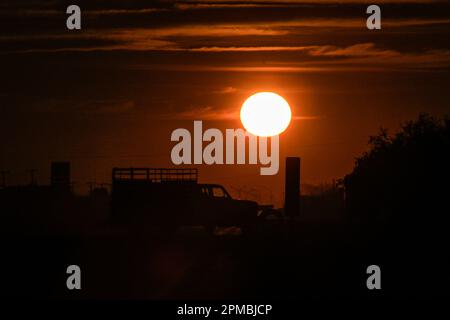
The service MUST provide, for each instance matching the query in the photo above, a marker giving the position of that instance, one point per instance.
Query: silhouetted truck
(173, 197)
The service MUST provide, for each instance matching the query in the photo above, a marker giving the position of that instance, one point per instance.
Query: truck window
(218, 192)
(205, 192)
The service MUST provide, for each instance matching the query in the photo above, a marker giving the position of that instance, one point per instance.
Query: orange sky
(112, 93)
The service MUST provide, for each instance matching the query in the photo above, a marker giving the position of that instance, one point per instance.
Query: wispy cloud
(216, 114)
(357, 50)
(361, 57)
(225, 90)
(244, 3)
(199, 37)
(285, 42)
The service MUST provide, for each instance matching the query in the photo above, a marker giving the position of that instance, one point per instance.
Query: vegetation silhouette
(397, 201)
(403, 177)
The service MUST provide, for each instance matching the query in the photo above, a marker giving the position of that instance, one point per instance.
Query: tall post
(292, 187)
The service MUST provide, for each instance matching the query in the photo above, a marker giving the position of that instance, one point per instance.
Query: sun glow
(265, 114)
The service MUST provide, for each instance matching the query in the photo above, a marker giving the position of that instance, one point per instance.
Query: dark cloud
(39, 26)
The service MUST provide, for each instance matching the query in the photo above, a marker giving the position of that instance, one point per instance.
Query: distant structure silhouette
(292, 187)
(60, 175)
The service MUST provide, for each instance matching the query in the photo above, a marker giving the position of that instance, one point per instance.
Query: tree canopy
(405, 175)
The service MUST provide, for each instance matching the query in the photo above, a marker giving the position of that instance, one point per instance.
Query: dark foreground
(279, 260)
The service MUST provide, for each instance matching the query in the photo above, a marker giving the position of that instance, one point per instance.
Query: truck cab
(219, 208)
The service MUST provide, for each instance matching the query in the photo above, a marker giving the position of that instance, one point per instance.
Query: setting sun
(265, 114)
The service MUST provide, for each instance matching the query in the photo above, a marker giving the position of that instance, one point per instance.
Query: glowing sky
(110, 94)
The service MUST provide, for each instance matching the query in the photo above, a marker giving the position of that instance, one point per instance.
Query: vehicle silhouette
(172, 198)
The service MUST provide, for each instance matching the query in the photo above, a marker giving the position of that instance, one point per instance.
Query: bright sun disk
(265, 114)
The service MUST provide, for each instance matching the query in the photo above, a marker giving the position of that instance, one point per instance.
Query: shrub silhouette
(403, 178)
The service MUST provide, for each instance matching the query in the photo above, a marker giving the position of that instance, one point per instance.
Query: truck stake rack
(156, 175)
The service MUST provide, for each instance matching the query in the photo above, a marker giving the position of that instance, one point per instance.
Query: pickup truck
(173, 197)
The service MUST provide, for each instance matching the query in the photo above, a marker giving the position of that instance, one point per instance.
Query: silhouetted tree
(404, 178)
